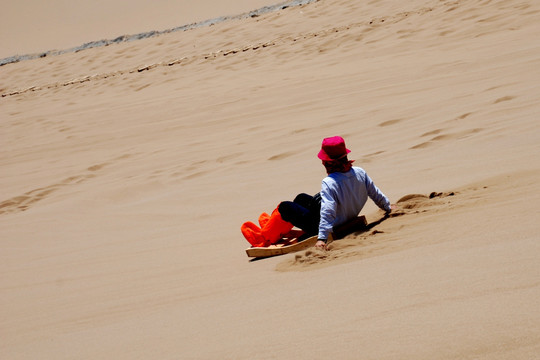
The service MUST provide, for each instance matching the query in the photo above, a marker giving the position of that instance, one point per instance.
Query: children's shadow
(357, 226)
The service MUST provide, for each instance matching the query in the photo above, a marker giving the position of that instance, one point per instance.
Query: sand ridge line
(372, 23)
(369, 24)
(154, 33)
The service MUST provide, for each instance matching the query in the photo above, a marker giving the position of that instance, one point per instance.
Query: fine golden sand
(127, 171)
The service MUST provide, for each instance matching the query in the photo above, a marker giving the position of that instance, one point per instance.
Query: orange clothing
(272, 228)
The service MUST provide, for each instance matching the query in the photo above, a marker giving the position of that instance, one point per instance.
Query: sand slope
(127, 171)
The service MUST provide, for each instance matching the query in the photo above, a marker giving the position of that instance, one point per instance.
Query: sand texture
(128, 169)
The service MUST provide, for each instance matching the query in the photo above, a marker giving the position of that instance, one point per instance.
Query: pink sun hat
(333, 148)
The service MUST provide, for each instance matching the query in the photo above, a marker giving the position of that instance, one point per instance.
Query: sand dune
(32, 26)
(127, 171)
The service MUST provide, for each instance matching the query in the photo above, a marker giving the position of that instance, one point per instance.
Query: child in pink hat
(344, 192)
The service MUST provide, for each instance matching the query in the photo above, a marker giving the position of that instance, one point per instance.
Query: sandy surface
(127, 171)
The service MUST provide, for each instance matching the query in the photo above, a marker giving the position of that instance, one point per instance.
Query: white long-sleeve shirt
(343, 197)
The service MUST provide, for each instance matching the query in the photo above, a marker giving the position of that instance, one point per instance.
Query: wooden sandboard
(281, 247)
(286, 246)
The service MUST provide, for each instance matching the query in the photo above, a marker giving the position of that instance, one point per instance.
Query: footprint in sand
(282, 155)
(28, 199)
(97, 167)
(369, 157)
(504, 98)
(433, 132)
(194, 175)
(390, 122)
(450, 136)
(23, 202)
(461, 117)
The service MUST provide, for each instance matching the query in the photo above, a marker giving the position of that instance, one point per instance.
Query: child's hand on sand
(321, 245)
(393, 208)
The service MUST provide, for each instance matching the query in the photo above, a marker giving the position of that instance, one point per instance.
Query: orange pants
(272, 228)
